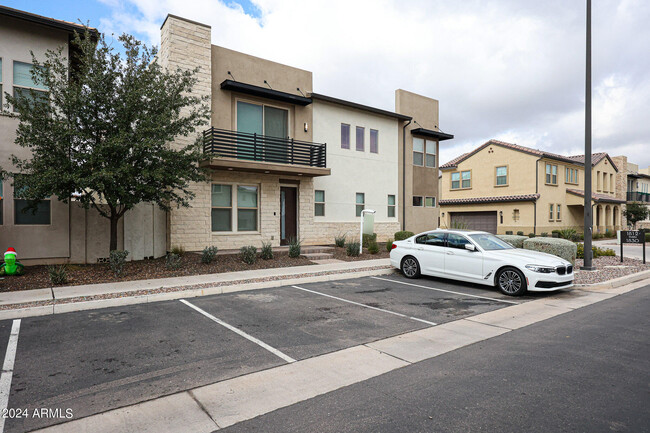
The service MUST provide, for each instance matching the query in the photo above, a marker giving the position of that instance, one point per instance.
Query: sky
(512, 70)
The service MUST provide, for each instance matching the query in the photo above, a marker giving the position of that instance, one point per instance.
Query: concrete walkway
(54, 300)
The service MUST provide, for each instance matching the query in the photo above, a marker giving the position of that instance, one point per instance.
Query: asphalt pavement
(587, 371)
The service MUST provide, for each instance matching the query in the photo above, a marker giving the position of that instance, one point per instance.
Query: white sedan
(480, 257)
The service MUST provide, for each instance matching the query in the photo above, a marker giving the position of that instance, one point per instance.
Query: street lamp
(365, 211)
(588, 214)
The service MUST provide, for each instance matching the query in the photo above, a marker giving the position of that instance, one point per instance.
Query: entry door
(288, 214)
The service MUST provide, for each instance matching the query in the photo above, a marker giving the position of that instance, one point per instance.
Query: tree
(635, 212)
(101, 134)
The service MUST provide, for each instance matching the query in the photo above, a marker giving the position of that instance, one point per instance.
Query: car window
(456, 241)
(490, 242)
(434, 239)
(421, 239)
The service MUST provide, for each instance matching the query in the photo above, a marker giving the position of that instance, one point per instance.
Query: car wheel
(410, 267)
(511, 282)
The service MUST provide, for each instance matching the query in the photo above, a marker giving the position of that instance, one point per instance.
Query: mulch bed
(608, 268)
(340, 254)
(37, 277)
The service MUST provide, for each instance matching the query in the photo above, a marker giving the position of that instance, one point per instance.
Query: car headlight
(541, 269)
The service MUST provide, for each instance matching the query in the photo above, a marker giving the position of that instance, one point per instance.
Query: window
(502, 175)
(246, 208)
(221, 208)
(345, 136)
(24, 83)
(430, 153)
(261, 120)
(558, 212)
(319, 203)
(598, 181)
(417, 201)
(374, 141)
(550, 212)
(391, 206)
(515, 215)
(31, 216)
(430, 202)
(571, 175)
(456, 241)
(605, 189)
(361, 132)
(466, 177)
(361, 202)
(611, 183)
(455, 180)
(551, 174)
(418, 151)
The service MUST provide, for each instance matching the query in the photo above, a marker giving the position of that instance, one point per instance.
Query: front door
(288, 214)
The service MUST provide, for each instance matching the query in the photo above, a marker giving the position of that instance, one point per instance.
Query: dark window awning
(428, 133)
(264, 92)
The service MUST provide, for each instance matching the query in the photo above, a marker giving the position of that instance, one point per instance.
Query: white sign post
(363, 212)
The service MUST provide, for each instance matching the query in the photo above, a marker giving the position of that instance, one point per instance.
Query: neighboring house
(56, 232)
(634, 184)
(286, 162)
(501, 187)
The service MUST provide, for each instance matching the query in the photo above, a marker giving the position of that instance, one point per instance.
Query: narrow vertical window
(345, 136)
(246, 208)
(374, 141)
(391, 206)
(551, 174)
(430, 156)
(550, 212)
(467, 178)
(559, 212)
(221, 208)
(598, 188)
(319, 203)
(361, 202)
(418, 151)
(455, 180)
(361, 132)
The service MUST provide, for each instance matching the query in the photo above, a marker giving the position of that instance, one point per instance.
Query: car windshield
(490, 242)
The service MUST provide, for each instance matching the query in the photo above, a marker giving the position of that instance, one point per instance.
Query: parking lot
(93, 361)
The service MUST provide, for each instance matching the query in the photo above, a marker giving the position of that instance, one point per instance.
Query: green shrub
(555, 235)
(368, 239)
(248, 254)
(516, 240)
(267, 251)
(558, 247)
(389, 245)
(58, 274)
(597, 236)
(373, 248)
(352, 249)
(173, 261)
(544, 234)
(520, 233)
(179, 251)
(508, 232)
(294, 247)
(597, 252)
(568, 234)
(116, 261)
(531, 235)
(209, 254)
(609, 233)
(404, 234)
(339, 240)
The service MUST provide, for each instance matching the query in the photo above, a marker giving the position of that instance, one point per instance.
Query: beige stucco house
(58, 232)
(634, 184)
(287, 162)
(500, 187)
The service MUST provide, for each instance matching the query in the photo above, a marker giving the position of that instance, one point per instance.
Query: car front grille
(569, 269)
(561, 270)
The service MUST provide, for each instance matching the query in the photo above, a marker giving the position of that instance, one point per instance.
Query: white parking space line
(447, 291)
(366, 306)
(8, 371)
(260, 343)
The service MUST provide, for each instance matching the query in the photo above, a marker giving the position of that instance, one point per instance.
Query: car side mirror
(470, 247)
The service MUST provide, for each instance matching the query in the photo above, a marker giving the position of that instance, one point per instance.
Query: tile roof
(595, 196)
(476, 200)
(571, 159)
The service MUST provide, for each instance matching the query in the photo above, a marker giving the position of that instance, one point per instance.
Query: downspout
(404, 174)
(536, 192)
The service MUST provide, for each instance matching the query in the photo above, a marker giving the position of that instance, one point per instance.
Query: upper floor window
(430, 202)
(24, 83)
(262, 120)
(361, 132)
(461, 179)
(418, 151)
(571, 175)
(417, 201)
(502, 175)
(374, 141)
(612, 188)
(430, 148)
(551, 174)
(598, 187)
(361, 202)
(319, 203)
(345, 136)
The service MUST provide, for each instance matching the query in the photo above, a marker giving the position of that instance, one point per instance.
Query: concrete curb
(616, 282)
(232, 286)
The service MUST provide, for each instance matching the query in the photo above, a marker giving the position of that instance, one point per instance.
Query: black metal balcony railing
(232, 144)
(638, 196)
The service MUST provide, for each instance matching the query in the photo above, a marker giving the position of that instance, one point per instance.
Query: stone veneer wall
(323, 233)
(187, 45)
(621, 184)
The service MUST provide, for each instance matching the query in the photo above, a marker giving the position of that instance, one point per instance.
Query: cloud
(507, 69)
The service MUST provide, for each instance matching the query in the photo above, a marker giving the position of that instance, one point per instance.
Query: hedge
(516, 240)
(558, 247)
(404, 234)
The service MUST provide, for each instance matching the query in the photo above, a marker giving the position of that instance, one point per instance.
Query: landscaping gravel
(608, 268)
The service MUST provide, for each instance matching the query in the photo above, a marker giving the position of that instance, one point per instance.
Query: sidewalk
(629, 250)
(55, 300)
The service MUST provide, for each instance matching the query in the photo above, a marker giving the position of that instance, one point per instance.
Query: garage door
(484, 221)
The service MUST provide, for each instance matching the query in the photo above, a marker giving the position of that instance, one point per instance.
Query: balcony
(238, 151)
(638, 196)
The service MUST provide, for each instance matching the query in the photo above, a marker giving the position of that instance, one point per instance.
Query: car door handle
(450, 253)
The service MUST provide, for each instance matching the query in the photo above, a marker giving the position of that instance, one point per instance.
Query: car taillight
(393, 247)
